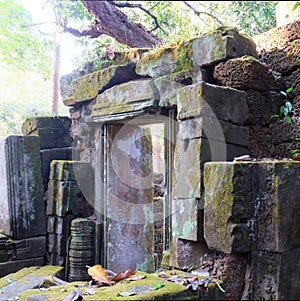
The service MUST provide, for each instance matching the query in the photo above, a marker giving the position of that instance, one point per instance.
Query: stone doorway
(133, 191)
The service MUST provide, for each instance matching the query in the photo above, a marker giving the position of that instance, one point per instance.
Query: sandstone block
(132, 96)
(185, 254)
(206, 50)
(227, 206)
(213, 101)
(187, 219)
(22, 213)
(33, 123)
(211, 128)
(87, 87)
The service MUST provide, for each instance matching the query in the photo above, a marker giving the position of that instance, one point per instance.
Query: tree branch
(127, 4)
(114, 23)
(91, 31)
(198, 13)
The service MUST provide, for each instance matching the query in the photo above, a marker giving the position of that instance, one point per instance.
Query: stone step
(12, 285)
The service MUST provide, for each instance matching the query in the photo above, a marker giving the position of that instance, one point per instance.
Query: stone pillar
(130, 225)
(81, 249)
(22, 212)
(211, 128)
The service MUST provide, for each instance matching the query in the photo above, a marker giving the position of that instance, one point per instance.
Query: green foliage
(295, 153)
(255, 17)
(285, 110)
(297, 4)
(20, 43)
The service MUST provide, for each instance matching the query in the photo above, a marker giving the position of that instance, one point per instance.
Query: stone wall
(216, 95)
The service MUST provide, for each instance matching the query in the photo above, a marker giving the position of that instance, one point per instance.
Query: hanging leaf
(288, 119)
(123, 275)
(289, 90)
(97, 272)
(289, 106)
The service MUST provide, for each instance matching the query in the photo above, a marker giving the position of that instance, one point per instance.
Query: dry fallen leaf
(137, 277)
(97, 272)
(123, 275)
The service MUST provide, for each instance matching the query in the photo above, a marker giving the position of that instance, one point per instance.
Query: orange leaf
(97, 272)
(123, 275)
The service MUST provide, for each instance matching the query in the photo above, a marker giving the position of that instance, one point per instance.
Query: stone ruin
(223, 198)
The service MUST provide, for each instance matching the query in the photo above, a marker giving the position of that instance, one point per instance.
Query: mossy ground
(170, 290)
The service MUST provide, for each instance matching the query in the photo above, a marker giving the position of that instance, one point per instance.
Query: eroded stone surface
(205, 50)
(242, 212)
(209, 100)
(22, 211)
(88, 86)
(246, 73)
(278, 37)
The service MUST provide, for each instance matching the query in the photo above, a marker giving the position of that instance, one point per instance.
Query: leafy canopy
(21, 44)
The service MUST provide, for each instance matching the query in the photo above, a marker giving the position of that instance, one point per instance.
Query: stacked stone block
(211, 128)
(252, 207)
(70, 195)
(55, 140)
(22, 214)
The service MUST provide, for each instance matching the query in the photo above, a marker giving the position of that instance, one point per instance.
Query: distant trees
(124, 23)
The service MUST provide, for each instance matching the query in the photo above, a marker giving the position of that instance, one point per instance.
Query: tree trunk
(56, 68)
(112, 22)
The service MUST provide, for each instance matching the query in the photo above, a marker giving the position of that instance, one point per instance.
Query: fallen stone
(27, 278)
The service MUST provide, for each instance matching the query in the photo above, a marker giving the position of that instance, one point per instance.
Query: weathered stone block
(245, 209)
(56, 243)
(25, 279)
(190, 155)
(211, 128)
(48, 155)
(13, 266)
(284, 60)
(88, 86)
(213, 101)
(206, 50)
(53, 138)
(185, 254)
(132, 96)
(26, 248)
(262, 106)
(220, 45)
(247, 73)
(227, 206)
(33, 123)
(274, 276)
(22, 213)
(277, 37)
(66, 197)
(187, 219)
(277, 222)
(64, 170)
